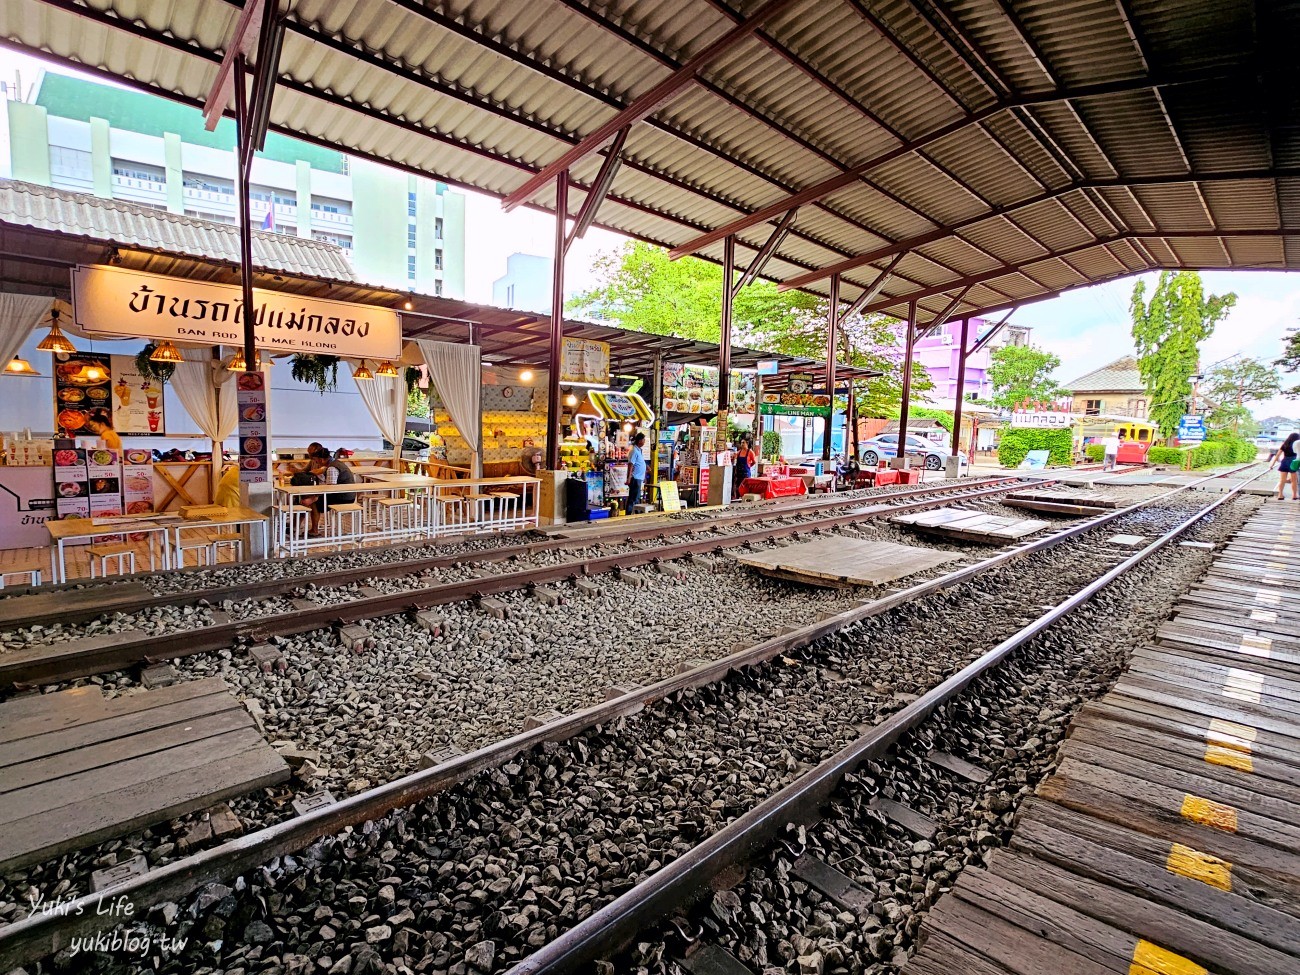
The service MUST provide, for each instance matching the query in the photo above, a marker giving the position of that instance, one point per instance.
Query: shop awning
(45, 233)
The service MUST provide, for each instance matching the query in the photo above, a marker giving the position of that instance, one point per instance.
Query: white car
(885, 446)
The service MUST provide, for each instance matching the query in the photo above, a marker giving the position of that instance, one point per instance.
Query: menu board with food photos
(251, 396)
(137, 401)
(71, 480)
(137, 481)
(82, 392)
(691, 388)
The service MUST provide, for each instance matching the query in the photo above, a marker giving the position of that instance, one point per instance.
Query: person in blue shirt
(636, 472)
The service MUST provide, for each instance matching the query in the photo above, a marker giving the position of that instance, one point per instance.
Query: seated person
(228, 487)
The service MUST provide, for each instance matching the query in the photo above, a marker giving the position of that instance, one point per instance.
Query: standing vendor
(99, 425)
(744, 466)
(635, 471)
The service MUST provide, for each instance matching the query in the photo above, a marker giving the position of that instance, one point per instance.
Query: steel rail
(681, 882)
(35, 937)
(64, 661)
(46, 614)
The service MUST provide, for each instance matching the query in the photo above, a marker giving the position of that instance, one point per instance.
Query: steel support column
(724, 340)
(557, 324)
(904, 407)
(243, 157)
(961, 388)
(832, 340)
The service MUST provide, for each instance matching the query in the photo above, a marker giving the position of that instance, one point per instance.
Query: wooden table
(233, 517)
(773, 487)
(69, 529)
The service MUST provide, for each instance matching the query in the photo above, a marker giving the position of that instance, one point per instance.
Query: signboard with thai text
(1041, 420)
(584, 361)
(136, 304)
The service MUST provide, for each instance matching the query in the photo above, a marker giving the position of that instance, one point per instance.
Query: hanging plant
(412, 378)
(148, 369)
(321, 371)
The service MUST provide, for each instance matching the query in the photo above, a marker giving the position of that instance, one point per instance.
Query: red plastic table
(773, 487)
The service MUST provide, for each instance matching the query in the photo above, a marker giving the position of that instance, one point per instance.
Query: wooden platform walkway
(1168, 840)
(842, 562)
(960, 524)
(77, 768)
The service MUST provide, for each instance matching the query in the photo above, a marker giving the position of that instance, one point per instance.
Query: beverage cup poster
(253, 449)
(137, 401)
(82, 391)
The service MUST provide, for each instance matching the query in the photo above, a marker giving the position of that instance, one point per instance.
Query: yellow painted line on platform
(1194, 865)
(1263, 615)
(1256, 646)
(1151, 959)
(1229, 758)
(1207, 812)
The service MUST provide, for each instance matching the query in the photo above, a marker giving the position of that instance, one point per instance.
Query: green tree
(1290, 360)
(1022, 373)
(1232, 385)
(642, 289)
(1167, 332)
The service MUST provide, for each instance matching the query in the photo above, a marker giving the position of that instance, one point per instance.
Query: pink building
(940, 353)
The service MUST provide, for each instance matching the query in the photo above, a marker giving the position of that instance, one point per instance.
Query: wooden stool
(509, 507)
(33, 576)
(452, 511)
(294, 527)
(203, 552)
(334, 516)
(122, 553)
(232, 542)
(394, 516)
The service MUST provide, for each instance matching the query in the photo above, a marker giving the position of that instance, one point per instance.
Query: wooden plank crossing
(970, 526)
(77, 768)
(1076, 503)
(842, 562)
(1167, 841)
(106, 599)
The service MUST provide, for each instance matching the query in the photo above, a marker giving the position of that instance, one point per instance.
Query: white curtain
(19, 315)
(385, 398)
(214, 409)
(456, 373)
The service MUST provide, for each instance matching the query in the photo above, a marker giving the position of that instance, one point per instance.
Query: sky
(1086, 328)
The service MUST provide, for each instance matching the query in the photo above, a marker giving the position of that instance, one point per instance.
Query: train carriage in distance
(1138, 435)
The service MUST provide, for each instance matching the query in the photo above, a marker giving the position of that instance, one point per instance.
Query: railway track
(40, 935)
(49, 663)
(688, 878)
(43, 606)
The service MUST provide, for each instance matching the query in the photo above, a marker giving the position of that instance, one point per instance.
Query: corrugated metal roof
(148, 228)
(1119, 376)
(1175, 130)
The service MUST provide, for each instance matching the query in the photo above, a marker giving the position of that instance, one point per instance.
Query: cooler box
(596, 514)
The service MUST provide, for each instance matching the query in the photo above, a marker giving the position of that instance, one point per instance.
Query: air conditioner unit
(946, 338)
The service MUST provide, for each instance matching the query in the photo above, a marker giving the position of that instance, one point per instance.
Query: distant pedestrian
(636, 472)
(744, 466)
(1285, 455)
(1109, 452)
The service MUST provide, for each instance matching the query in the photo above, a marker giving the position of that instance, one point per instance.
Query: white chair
(453, 513)
(121, 554)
